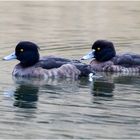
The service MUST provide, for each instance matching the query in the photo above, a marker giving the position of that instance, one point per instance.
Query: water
(107, 107)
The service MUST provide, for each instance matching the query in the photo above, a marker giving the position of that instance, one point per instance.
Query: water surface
(107, 107)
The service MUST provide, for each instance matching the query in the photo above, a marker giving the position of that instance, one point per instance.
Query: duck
(105, 59)
(32, 65)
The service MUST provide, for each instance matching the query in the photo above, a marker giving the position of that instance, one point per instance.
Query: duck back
(127, 60)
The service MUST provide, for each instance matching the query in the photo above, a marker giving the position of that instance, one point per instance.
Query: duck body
(31, 65)
(66, 70)
(53, 67)
(105, 59)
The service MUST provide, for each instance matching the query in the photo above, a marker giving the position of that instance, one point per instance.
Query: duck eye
(98, 49)
(21, 50)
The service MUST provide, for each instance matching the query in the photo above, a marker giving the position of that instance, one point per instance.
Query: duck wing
(50, 63)
(54, 62)
(49, 58)
(127, 60)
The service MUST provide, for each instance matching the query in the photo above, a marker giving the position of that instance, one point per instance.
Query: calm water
(108, 107)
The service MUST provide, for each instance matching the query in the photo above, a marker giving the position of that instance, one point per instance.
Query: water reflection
(105, 86)
(26, 93)
(121, 78)
(26, 96)
(129, 79)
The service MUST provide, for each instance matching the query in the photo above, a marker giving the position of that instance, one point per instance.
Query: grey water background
(106, 108)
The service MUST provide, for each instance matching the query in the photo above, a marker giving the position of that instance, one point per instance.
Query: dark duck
(31, 65)
(105, 59)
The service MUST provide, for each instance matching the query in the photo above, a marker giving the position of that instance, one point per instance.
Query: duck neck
(30, 61)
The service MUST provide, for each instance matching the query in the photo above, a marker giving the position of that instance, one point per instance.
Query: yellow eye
(98, 49)
(21, 50)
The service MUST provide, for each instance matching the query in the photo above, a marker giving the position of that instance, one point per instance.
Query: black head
(103, 50)
(27, 53)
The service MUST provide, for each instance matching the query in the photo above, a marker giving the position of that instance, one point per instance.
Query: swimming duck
(31, 65)
(105, 58)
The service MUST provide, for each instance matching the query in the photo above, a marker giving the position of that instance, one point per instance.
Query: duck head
(26, 52)
(102, 50)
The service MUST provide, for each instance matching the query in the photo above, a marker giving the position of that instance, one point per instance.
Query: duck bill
(10, 57)
(88, 56)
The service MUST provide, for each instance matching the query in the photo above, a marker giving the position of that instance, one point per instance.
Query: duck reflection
(27, 90)
(105, 86)
(26, 96)
(132, 79)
